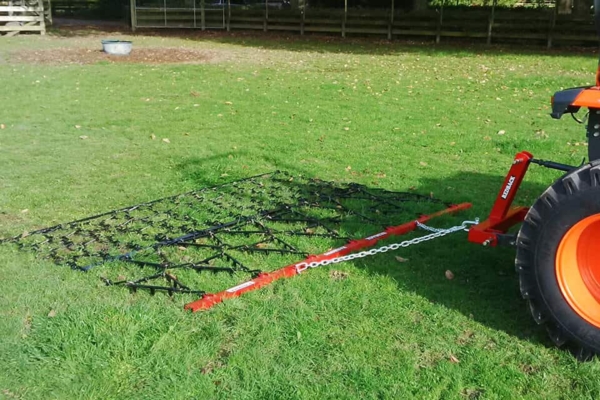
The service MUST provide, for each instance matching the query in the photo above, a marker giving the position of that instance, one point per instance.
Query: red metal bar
(209, 300)
(503, 215)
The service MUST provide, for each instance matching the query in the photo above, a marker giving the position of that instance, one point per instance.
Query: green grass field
(78, 139)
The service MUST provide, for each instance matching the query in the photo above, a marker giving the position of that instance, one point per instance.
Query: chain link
(436, 233)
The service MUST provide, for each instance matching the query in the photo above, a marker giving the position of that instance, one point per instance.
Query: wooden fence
(15, 19)
(72, 8)
(492, 25)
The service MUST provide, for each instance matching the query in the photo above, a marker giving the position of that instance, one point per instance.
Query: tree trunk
(419, 5)
(564, 6)
(582, 7)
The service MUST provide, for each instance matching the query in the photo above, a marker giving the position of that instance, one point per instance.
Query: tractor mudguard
(562, 102)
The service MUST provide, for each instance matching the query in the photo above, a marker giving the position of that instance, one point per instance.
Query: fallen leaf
(261, 245)
(52, 314)
(401, 259)
(77, 126)
(348, 168)
(338, 275)
(346, 128)
(182, 248)
(25, 211)
(166, 140)
(2, 126)
(194, 93)
(153, 136)
(449, 275)
(228, 103)
(83, 137)
(206, 370)
(121, 277)
(170, 276)
(453, 359)
(224, 175)
(501, 132)
(309, 231)
(423, 163)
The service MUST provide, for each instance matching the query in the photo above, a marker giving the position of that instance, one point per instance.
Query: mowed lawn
(81, 135)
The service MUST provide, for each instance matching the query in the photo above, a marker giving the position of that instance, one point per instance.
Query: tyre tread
(545, 207)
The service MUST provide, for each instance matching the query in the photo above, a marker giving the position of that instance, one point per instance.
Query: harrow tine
(217, 229)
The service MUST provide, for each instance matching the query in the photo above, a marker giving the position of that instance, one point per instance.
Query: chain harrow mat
(212, 238)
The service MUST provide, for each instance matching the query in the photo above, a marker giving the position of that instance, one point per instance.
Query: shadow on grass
(485, 286)
(322, 43)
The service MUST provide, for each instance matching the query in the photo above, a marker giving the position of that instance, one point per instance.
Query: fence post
(202, 15)
(344, 19)
(552, 24)
(391, 23)
(266, 15)
(48, 12)
(439, 23)
(491, 23)
(228, 15)
(132, 16)
(302, 20)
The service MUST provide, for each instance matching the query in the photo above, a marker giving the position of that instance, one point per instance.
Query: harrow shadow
(485, 285)
(170, 244)
(175, 245)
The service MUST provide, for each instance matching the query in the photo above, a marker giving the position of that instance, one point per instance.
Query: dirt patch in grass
(169, 55)
(8, 221)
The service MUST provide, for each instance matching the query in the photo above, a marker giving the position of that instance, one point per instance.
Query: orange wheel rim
(578, 268)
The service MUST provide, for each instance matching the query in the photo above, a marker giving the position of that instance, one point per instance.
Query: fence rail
(15, 19)
(493, 25)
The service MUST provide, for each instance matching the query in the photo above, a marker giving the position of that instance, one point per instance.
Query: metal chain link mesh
(170, 244)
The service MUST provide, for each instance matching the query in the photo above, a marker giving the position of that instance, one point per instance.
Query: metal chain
(436, 233)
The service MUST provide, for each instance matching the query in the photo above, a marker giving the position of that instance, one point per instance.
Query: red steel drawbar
(209, 300)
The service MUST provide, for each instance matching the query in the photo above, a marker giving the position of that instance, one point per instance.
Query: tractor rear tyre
(559, 264)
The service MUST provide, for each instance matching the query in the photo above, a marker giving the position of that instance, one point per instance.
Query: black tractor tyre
(572, 198)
